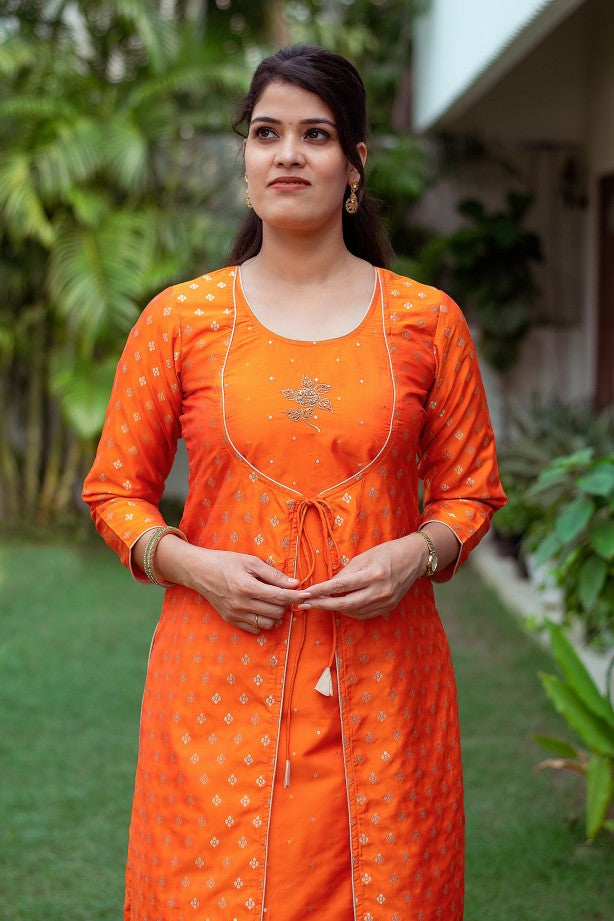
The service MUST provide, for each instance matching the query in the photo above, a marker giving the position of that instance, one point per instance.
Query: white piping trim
(228, 436)
(347, 790)
(281, 713)
(354, 476)
(374, 460)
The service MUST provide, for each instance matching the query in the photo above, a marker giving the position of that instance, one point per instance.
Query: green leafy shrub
(518, 515)
(590, 714)
(488, 264)
(576, 533)
(544, 430)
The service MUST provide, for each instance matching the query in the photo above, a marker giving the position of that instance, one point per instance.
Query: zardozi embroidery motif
(310, 396)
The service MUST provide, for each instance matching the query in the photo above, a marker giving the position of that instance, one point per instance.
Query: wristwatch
(431, 562)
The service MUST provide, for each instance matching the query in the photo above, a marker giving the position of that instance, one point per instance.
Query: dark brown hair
(338, 84)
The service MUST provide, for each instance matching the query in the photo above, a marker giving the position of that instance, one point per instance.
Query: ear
(362, 153)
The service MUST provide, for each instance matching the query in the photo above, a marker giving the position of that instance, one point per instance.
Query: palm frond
(155, 31)
(16, 53)
(21, 208)
(27, 108)
(96, 274)
(89, 205)
(195, 77)
(82, 388)
(126, 152)
(74, 154)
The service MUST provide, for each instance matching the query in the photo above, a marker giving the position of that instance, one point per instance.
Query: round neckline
(309, 342)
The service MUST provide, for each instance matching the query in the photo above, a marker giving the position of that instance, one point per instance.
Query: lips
(289, 182)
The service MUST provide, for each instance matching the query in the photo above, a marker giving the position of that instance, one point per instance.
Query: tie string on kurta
(305, 564)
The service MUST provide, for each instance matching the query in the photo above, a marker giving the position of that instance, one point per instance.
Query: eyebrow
(303, 121)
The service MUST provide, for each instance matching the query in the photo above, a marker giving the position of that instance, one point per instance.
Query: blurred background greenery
(119, 174)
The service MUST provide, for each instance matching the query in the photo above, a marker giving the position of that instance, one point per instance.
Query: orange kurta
(303, 454)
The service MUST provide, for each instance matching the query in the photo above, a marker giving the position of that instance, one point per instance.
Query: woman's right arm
(126, 482)
(239, 586)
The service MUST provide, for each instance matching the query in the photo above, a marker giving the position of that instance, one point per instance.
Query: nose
(288, 152)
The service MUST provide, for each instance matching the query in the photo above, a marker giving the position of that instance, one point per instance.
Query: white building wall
(557, 92)
(463, 46)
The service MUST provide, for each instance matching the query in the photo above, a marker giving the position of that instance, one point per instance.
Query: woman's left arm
(457, 461)
(375, 581)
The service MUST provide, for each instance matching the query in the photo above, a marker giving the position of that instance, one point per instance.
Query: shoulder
(204, 291)
(414, 306)
(189, 303)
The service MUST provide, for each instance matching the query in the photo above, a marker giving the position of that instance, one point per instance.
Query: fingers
(272, 586)
(256, 623)
(366, 588)
(270, 575)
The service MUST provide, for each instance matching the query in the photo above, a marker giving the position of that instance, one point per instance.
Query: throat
(311, 313)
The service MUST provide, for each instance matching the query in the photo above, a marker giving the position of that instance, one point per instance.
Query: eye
(317, 134)
(264, 132)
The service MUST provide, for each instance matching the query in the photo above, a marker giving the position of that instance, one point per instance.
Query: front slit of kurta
(309, 863)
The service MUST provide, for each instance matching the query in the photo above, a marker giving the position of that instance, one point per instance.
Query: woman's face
(297, 172)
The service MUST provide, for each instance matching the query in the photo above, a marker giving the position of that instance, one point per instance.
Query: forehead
(290, 103)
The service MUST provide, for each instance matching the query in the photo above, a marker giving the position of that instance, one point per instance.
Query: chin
(298, 222)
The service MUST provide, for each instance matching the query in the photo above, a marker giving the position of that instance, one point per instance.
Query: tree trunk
(9, 472)
(35, 420)
(71, 475)
(53, 468)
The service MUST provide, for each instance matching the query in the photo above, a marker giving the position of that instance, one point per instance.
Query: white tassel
(287, 775)
(325, 683)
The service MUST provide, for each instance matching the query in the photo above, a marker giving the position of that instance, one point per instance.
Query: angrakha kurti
(258, 796)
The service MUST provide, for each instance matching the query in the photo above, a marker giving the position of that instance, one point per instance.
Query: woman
(299, 748)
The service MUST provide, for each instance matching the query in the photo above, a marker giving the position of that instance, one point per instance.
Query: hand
(373, 582)
(240, 587)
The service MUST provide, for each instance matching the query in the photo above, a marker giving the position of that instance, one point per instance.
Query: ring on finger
(256, 625)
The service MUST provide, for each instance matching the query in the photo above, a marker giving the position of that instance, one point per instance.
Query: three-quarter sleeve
(141, 429)
(457, 460)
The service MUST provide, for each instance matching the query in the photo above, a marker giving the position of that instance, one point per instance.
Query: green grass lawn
(74, 637)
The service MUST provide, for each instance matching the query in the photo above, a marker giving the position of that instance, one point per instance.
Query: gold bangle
(150, 549)
(431, 561)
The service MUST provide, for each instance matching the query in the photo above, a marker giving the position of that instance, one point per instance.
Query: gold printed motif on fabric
(310, 397)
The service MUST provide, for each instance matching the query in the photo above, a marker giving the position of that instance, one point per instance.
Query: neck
(302, 258)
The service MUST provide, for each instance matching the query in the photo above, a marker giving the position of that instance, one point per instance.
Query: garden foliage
(576, 536)
(105, 183)
(590, 714)
(119, 175)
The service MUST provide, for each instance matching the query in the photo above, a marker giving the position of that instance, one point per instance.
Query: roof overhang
(462, 48)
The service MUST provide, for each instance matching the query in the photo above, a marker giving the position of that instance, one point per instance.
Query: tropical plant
(492, 271)
(542, 430)
(109, 121)
(590, 714)
(575, 537)
(117, 176)
(512, 522)
(488, 263)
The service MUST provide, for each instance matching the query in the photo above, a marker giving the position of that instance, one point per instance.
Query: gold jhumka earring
(247, 198)
(351, 202)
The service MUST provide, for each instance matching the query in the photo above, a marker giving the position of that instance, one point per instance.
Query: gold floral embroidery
(310, 396)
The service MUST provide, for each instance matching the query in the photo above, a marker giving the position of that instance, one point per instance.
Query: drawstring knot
(305, 551)
(304, 569)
